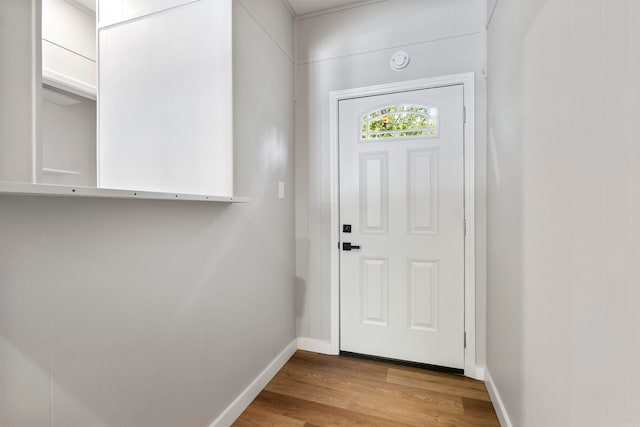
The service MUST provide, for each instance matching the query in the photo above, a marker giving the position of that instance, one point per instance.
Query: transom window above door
(400, 121)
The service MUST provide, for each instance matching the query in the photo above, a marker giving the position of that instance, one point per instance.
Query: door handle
(346, 246)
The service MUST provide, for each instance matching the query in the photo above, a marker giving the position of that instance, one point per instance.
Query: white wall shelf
(27, 189)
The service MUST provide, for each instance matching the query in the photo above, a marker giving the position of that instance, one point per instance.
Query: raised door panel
(423, 295)
(422, 191)
(374, 291)
(374, 193)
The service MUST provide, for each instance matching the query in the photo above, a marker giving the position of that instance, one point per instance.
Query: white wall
(68, 139)
(69, 46)
(349, 49)
(564, 211)
(69, 26)
(149, 313)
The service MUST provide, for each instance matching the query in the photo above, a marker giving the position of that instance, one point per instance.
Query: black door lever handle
(346, 246)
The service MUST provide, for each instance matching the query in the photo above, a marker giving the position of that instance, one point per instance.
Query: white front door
(402, 204)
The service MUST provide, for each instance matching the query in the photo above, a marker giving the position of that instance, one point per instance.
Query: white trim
(97, 97)
(470, 218)
(245, 398)
(498, 404)
(314, 345)
(36, 90)
(468, 82)
(480, 373)
(334, 191)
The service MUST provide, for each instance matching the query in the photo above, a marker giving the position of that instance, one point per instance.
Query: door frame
(467, 80)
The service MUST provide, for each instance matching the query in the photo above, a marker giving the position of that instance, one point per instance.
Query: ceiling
(302, 7)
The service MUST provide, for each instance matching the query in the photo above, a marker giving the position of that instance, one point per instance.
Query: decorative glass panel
(400, 121)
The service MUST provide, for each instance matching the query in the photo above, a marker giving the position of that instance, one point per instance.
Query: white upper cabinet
(165, 96)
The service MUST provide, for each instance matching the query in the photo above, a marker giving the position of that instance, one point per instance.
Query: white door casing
(467, 80)
(402, 290)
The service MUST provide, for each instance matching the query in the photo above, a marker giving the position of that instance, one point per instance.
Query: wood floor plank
(412, 415)
(254, 417)
(317, 413)
(427, 381)
(338, 380)
(443, 377)
(314, 390)
(348, 366)
(481, 411)
(414, 407)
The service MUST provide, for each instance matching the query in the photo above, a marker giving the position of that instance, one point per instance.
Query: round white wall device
(400, 60)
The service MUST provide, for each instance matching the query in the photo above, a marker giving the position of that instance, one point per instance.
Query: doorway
(402, 222)
(402, 226)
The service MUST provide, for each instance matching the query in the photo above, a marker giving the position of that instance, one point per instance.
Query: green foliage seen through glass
(400, 121)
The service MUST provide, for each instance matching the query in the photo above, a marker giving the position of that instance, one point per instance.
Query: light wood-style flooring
(319, 390)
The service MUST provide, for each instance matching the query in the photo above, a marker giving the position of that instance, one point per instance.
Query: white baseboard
(312, 344)
(498, 404)
(245, 398)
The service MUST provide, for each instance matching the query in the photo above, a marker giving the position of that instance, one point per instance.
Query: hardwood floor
(319, 390)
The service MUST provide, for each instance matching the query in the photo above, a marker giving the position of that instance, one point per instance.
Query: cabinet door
(165, 96)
